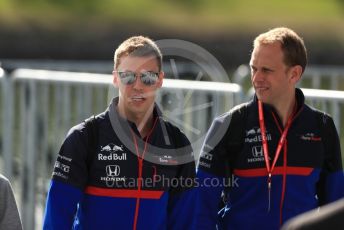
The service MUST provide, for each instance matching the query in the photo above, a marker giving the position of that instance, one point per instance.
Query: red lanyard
(140, 158)
(281, 143)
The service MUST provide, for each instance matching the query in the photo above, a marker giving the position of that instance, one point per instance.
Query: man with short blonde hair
(115, 171)
(284, 155)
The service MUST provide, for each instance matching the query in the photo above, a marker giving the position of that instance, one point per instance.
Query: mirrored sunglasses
(147, 78)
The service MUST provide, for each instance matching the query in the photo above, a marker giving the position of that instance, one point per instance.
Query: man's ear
(161, 79)
(295, 74)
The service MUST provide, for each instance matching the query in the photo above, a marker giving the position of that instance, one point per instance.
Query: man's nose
(138, 83)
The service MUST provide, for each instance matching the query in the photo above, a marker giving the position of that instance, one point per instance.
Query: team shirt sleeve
(331, 183)
(213, 170)
(68, 180)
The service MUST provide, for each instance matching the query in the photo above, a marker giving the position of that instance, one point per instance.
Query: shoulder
(225, 124)
(236, 111)
(176, 132)
(5, 186)
(323, 117)
(79, 133)
(3, 181)
(240, 108)
(75, 134)
(182, 148)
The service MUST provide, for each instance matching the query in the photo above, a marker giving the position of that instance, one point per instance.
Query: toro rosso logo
(310, 137)
(112, 170)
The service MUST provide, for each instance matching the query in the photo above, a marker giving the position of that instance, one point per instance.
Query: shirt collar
(300, 99)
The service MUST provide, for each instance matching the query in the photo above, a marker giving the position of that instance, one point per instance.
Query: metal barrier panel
(323, 77)
(2, 73)
(7, 116)
(2, 101)
(39, 107)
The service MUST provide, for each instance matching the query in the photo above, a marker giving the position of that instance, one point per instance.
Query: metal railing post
(30, 160)
(7, 122)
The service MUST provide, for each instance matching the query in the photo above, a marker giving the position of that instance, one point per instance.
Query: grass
(192, 16)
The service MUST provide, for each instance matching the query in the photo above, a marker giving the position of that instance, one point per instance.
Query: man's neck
(143, 121)
(285, 108)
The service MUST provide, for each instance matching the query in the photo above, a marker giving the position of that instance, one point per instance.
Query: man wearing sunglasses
(125, 168)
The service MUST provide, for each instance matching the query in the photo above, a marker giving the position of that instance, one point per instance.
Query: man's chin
(139, 109)
(260, 97)
(263, 99)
